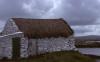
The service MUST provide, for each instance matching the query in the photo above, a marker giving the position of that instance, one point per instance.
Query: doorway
(16, 47)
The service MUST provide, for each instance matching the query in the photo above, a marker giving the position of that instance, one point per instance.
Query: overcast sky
(82, 15)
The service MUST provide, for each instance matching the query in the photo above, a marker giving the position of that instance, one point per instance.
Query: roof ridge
(41, 18)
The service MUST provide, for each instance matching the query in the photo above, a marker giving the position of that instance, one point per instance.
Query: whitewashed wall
(31, 46)
(10, 28)
(6, 45)
(24, 48)
(10, 31)
(39, 46)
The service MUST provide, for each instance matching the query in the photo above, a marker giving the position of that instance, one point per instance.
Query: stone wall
(39, 46)
(24, 48)
(6, 45)
(30, 46)
(10, 28)
(10, 31)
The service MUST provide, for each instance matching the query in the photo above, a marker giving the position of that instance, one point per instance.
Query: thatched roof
(40, 28)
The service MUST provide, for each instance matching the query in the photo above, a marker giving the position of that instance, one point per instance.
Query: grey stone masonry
(40, 46)
(11, 31)
(10, 28)
(24, 48)
(30, 47)
(6, 45)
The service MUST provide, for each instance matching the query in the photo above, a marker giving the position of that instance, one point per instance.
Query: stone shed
(23, 37)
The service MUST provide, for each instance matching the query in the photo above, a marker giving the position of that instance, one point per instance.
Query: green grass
(64, 56)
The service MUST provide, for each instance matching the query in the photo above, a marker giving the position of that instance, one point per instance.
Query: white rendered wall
(31, 46)
(24, 48)
(10, 27)
(6, 45)
(51, 44)
(11, 31)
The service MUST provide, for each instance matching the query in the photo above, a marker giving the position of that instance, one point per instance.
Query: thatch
(40, 28)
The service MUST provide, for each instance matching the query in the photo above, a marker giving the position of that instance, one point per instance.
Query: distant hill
(88, 38)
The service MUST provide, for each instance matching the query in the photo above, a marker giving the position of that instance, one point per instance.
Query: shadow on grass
(62, 56)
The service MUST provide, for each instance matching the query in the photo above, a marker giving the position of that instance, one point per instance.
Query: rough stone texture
(10, 27)
(39, 46)
(6, 45)
(24, 48)
(30, 47)
(11, 31)
(6, 48)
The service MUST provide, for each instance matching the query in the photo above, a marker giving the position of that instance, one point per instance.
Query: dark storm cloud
(80, 12)
(11, 8)
(87, 29)
(81, 30)
(37, 8)
(75, 12)
(24, 8)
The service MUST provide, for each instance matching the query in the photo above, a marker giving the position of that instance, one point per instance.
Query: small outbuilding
(23, 37)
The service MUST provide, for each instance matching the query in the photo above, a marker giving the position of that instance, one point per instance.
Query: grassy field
(64, 56)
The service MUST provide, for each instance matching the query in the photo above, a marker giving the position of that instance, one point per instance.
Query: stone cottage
(22, 37)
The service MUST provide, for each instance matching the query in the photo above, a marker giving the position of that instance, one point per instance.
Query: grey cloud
(80, 12)
(80, 30)
(38, 8)
(75, 12)
(11, 8)
(87, 29)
